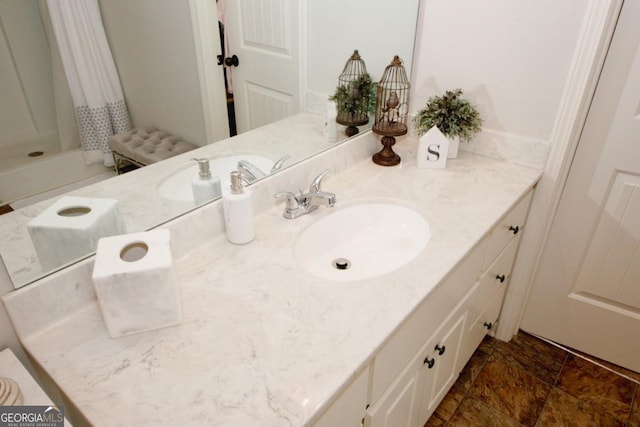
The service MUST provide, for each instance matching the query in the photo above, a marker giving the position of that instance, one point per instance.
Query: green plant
(451, 114)
(358, 97)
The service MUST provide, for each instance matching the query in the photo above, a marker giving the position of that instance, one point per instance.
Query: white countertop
(263, 342)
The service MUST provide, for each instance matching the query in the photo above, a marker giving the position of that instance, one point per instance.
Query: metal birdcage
(392, 110)
(353, 94)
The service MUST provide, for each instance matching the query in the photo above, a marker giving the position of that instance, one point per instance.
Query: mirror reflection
(164, 81)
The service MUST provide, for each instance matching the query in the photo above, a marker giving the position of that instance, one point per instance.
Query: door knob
(229, 61)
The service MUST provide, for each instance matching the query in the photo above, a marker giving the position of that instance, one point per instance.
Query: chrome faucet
(307, 202)
(249, 172)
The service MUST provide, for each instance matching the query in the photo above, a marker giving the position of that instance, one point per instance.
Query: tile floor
(529, 382)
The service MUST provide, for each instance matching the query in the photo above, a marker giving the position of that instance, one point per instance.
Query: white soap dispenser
(238, 211)
(205, 187)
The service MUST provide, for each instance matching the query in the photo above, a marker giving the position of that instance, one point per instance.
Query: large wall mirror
(165, 52)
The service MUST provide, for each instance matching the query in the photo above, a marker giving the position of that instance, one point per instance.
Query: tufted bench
(145, 146)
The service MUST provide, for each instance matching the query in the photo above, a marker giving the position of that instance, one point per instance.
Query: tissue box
(135, 282)
(70, 229)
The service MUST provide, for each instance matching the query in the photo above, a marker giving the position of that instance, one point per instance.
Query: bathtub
(41, 174)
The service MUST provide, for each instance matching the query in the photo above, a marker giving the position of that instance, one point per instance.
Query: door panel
(610, 273)
(586, 292)
(265, 37)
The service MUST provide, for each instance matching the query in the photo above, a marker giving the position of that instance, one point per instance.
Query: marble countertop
(263, 342)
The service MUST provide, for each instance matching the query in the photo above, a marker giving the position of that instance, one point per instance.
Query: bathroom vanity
(266, 343)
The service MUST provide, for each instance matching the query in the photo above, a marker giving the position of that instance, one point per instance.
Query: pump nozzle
(203, 166)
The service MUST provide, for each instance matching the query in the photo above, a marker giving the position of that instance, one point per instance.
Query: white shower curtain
(99, 104)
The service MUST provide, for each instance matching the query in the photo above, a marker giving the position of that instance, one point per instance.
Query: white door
(265, 36)
(586, 294)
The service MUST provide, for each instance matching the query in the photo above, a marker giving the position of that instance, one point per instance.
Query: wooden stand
(352, 121)
(388, 131)
(386, 156)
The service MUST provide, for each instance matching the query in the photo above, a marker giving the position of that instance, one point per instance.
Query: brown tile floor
(529, 382)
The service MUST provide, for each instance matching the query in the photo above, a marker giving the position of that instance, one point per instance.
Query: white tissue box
(135, 282)
(70, 229)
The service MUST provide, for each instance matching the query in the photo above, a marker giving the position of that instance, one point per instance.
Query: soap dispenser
(204, 186)
(238, 211)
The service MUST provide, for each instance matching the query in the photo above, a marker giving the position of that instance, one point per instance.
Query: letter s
(435, 152)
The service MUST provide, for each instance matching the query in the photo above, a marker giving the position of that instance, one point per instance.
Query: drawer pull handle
(440, 350)
(501, 278)
(515, 229)
(429, 362)
(488, 325)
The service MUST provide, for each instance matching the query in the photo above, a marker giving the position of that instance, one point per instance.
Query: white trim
(206, 37)
(303, 53)
(593, 42)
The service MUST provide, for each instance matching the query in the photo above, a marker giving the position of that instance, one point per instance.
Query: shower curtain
(91, 73)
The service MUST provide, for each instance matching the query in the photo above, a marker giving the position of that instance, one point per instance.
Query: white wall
(152, 45)
(511, 57)
(377, 28)
(26, 95)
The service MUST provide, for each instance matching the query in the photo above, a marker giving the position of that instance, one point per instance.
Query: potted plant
(456, 118)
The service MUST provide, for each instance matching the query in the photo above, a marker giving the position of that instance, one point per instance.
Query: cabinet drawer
(482, 324)
(406, 342)
(509, 226)
(495, 276)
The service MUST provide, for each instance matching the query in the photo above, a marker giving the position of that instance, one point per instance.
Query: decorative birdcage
(354, 94)
(392, 110)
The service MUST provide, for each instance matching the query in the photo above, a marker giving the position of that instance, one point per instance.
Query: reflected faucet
(249, 172)
(278, 165)
(308, 202)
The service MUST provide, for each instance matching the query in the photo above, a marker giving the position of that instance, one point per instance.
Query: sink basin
(178, 185)
(362, 241)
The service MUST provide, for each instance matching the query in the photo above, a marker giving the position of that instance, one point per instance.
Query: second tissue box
(135, 283)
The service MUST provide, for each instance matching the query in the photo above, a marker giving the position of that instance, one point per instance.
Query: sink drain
(341, 263)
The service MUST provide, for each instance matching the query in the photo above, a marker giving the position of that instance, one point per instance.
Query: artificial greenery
(451, 114)
(358, 97)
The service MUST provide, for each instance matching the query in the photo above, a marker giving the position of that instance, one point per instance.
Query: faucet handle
(278, 165)
(292, 202)
(317, 181)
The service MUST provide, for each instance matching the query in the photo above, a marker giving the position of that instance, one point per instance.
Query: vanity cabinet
(417, 366)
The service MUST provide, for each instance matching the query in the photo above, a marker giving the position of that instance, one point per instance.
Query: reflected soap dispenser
(238, 211)
(204, 186)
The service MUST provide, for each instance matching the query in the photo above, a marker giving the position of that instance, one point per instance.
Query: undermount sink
(178, 185)
(362, 241)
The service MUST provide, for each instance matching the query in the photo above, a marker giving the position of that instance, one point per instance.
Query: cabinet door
(398, 405)
(443, 358)
(349, 407)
